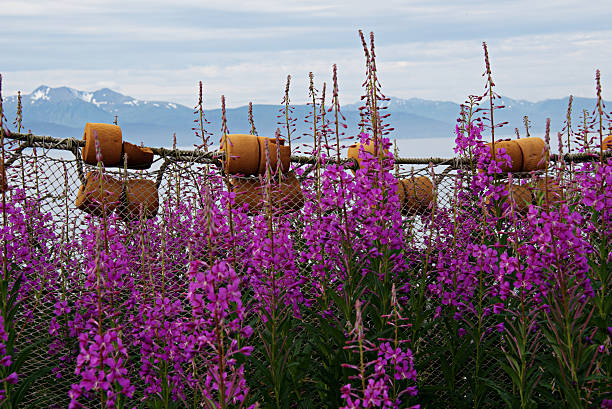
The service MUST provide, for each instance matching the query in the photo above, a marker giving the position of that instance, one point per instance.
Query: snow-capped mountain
(63, 112)
(104, 101)
(105, 98)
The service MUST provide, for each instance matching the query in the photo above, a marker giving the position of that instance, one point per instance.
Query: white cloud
(427, 49)
(533, 68)
(141, 30)
(450, 11)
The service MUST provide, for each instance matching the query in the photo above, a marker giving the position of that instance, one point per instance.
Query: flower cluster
(216, 331)
(161, 311)
(100, 364)
(5, 360)
(381, 382)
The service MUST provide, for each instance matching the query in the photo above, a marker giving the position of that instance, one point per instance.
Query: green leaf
(23, 386)
(20, 358)
(507, 398)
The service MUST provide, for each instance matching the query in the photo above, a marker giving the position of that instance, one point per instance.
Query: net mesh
(69, 190)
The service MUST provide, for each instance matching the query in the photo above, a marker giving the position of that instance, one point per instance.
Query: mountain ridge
(57, 111)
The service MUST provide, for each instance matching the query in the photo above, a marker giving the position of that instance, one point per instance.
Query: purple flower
(12, 378)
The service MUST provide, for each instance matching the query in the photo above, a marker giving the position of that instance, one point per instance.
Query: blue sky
(159, 50)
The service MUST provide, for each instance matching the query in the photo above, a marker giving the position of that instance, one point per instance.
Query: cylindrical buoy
(285, 197)
(607, 143)
(513, 150)
(534, 153)
(140, 196)
(418, 195)
(521, 197)
(110, 139)
(548, 191)
(285, 154)
(241, 154)
(248, 191)
(353, 151)
(288, 196)
(137, 157)
(98, 193)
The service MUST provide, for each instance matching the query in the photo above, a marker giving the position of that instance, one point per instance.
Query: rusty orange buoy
(111, 145)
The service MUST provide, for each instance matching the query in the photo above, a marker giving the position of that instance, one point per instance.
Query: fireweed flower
(102, 354)
(467, 260)
(28, 239)
(325, 227)
(377, 378)
(544, 258)
(162, 340)
(375, 214)
(594, 184)
(217, 321)
(272, 268)
(5, 360)
(210, 232)
(100, 364)
(354, 222)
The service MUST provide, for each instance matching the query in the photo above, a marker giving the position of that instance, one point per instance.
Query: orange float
(140, 196)
(513, 150)
(418, 194)
(137, 157)
(607, 143)
(98, 194)
(241, 154)
(285, 154)
(548, 191)
(521, 197)
(285, 197)
(534, 153)
(3, 182)
(111, 145)
(353, 151)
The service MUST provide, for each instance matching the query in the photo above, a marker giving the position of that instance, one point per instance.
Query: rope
(444, 173)
(160, 172)
(79, 161)
(216, 158)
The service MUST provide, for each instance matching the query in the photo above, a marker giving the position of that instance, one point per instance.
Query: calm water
(439, 147)
(426, 147)
(435, 147)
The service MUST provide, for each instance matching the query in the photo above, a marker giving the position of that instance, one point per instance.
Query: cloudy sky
(159, 50)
